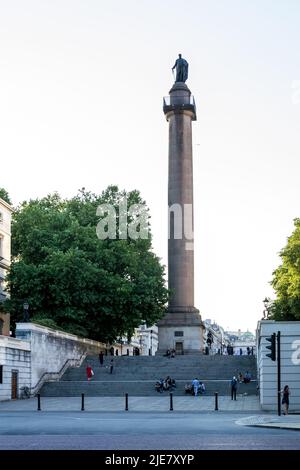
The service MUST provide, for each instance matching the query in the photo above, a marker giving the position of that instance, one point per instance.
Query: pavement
(160, 404)
(291, 422)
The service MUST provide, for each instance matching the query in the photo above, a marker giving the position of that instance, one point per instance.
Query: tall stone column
(181, 329)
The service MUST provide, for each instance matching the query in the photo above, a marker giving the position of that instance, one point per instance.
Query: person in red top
(89, 372)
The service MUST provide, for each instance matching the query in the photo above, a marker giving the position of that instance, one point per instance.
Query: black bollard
(82, 402)
(216, 401)
(126, 401)
(39, 402)
(171, 401)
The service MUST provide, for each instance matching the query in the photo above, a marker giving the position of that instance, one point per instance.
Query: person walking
(101, 358)
(89, 373)
(233, 385)
(111, 366)
(286, 399)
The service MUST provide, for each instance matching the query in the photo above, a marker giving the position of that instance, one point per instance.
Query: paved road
(121, 430)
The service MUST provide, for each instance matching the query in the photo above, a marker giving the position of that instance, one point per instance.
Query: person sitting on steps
(159, 385)
(247, 378)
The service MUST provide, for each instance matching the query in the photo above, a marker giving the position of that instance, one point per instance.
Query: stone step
(188, 359)
(177, 375)
(136, 375)
(135, 388)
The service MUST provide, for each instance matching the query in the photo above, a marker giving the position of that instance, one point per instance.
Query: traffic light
(272, 346)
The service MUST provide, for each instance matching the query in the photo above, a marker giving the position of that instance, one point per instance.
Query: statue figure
(182, 68)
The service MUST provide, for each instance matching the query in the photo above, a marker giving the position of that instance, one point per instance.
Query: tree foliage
(5, 196)
(286, 280)
(102, 289)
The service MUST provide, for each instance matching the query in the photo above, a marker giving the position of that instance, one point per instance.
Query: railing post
(126, 401)
(216, 401)
(39, 402)
(82, 402)
(171, 401)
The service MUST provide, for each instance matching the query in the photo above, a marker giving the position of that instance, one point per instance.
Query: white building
(5, 256)
(241, 341)
(290, 363)
(144, 342)
(148, 339)
(215, 333)
(15, 367)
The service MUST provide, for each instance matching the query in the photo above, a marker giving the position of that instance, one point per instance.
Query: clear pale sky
(81, 87)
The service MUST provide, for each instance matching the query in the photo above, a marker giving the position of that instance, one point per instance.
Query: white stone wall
(14, 355)
(290, 363)
(51, 349)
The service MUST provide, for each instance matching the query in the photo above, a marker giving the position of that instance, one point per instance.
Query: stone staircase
(136, 375)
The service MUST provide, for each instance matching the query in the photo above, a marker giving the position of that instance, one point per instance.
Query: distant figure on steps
(247, 378)
(101, 358)
(196, 385)
(89, 372)
(233, 386)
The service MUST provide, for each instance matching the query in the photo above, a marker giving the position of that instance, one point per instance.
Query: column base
(182, 330)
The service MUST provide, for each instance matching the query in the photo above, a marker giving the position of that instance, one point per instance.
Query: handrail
(54, 376)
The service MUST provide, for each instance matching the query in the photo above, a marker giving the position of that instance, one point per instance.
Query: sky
(81, 88)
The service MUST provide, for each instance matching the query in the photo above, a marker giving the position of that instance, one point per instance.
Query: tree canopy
(5, 196)
(71, 279)
(286, 280)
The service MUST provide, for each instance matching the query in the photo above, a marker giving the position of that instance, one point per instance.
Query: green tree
(286, 280)
(91, 287)
(5, 196)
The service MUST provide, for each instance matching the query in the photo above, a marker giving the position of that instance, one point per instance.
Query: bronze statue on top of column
(182, 68)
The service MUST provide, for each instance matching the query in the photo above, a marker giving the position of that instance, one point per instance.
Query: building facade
(148, 339)
(144, 342)
(5, 257)
(289, 362)
(215, 341)
(241, 342)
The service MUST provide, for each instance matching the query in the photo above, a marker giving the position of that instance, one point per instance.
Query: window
(1, 217)
(1, 374)
(178, 333)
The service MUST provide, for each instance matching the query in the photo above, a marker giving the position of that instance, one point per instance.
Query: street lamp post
(25, 312)
(266, 302)
(151, 332)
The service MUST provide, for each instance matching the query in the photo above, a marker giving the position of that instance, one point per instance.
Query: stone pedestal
(181, 328)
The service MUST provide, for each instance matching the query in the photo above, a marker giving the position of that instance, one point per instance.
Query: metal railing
(55, 376)
(179, 99)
